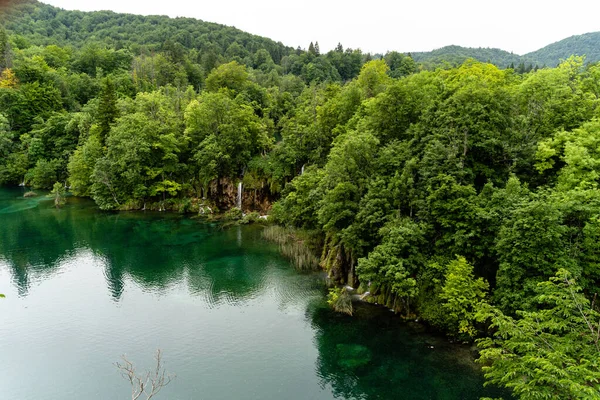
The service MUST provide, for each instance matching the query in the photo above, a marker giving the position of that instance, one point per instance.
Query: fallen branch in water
(148, 384)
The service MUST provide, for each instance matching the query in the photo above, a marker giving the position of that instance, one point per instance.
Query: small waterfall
(302, 169)
(239, 195)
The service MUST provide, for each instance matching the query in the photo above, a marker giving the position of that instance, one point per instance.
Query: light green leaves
(551, 352)
(461, 295)
(578, 152)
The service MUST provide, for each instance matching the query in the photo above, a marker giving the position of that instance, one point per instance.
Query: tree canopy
(464, 196)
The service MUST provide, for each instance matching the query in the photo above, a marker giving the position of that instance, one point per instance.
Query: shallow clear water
(233, 319)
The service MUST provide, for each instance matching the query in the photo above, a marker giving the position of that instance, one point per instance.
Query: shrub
(233, 214)
(340, 300)
(251, 218)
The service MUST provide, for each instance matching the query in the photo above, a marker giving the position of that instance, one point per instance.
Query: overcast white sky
(520, 26)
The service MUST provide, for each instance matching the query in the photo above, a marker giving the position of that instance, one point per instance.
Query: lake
(232, 317)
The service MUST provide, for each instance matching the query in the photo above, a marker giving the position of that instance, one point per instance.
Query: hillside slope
(587, 44)
(42, 24)
(456, 55)
(37, 23)
(551, 55)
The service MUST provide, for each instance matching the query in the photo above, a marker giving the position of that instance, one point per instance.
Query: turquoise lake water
(231, 316)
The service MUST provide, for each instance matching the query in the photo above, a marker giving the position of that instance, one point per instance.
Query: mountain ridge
(28, 17)
(587, 44)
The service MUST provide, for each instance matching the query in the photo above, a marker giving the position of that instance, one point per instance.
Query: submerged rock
(353, 355)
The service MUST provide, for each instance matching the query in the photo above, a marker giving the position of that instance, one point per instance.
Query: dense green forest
(587, 45)
(453, 56)
(35, 23)
(175, 47)
(466, 197)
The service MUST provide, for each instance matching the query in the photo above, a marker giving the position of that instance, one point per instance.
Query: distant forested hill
(42, 24)
(34, 23)
(551, 55)
(587, 44)
(456, 55)
(195, 45)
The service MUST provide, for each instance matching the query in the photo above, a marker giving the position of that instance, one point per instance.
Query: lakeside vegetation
(300, 247)
(467, 197)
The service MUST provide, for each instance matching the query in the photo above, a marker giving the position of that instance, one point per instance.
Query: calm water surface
(234, 320)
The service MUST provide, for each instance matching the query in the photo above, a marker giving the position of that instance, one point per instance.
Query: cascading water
(239, 195)
(302, 169)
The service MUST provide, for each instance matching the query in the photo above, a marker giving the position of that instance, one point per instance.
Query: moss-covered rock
(351, 356)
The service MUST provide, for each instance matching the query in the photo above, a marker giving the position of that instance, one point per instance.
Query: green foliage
(578, 153)
(301, 199)
(345, 180)
(58, 193)
(227, 133)
(373, 78)
(461, 296)
(551, 352)
(399, 64)
(394, 263)
(45, 24)
(557, 98)
(44, 174)
(107, 109)
(580, 45)
(81, 165)
(231, 76)
(452, 56)
(234, 214)
(420, 185)
(531, 245)
(5, 56)
(550, 55)
(251, 218)
(340, 300)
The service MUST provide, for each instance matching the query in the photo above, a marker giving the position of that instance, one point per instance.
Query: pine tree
(5, 54)
(107, 109)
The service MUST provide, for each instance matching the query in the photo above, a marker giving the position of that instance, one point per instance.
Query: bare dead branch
(148, 384)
